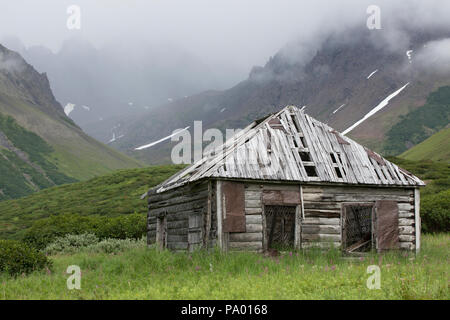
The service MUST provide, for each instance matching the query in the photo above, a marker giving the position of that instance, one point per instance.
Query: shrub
(71, 243)
(17, 257)
(116, 245)
(435, 212)
(45, 231)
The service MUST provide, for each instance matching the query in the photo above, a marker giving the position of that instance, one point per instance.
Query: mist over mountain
(350, 75)
(121, 78)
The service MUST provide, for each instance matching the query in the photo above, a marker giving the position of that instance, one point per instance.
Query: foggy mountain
(351, 75)
(120, 79)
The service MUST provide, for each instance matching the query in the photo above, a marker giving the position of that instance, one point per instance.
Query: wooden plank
(253, 219)
(253, 245)
(321, 229)
(322, 213)
(321, 237)
(407, 245)
(418, 225)
(253, 203)
(219, 215)
(322, 245)
(246, 237)
(406, 230)
(328, 221)
(254, 227)
(405, 222)
(406, 238)
(251, 211)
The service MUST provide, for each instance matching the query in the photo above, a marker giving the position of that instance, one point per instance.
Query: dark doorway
(357, 228)
(280, 227)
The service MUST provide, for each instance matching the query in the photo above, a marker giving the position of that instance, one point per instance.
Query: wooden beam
(417, 217)
(219, 214)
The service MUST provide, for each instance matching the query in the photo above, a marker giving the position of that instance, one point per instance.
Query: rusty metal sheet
(281, 197)
(386, 225)
(234, 223)
(234, 194)
(375, 157)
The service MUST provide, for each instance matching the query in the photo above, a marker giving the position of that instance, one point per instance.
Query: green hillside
(40, 146)
(28, 170)
(436, 148)
(109, 195)
(420, 124)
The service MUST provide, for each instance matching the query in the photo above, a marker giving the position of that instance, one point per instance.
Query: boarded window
(357, 227)
(280, 227)
(386, 224)
(234, 205)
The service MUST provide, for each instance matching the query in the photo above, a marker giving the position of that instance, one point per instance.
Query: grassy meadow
(145, 273)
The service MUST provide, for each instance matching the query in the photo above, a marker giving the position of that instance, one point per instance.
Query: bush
(435, 212)
(17, 257)
(45, 231)
(71, 243)
(116, 245)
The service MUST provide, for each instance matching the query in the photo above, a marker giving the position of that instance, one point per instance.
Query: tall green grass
(149, 274)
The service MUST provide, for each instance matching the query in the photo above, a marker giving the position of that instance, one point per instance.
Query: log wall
(322, 211)
(185, 209)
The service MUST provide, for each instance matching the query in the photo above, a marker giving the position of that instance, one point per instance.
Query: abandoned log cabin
(287, 181)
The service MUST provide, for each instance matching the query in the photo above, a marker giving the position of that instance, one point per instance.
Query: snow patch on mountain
(380, 106)
(339, 108)
(370, 75)
(161, 140)
(69, 108)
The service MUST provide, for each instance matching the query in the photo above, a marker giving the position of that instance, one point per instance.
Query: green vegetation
(45, 231)
(88, 242)
(435, 197)
(435, 148)
(420, 124)
(144, 273)
(110, 195)
(22, 175)
(18, 258)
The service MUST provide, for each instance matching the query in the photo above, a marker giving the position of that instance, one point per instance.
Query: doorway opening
(280, 227)
(357, 235)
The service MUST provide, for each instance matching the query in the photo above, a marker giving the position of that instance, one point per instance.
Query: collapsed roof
(293, 147)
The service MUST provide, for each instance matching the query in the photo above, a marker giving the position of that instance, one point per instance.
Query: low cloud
(434, 57)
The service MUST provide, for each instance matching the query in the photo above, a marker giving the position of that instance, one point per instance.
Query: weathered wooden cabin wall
(185, 209)
(320, 215)
(323, 204)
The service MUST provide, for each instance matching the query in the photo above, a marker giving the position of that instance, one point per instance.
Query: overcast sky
(246, 32)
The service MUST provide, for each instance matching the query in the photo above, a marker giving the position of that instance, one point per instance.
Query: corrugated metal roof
(292, 146)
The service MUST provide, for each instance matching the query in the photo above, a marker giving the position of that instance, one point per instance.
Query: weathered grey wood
(219, 203)
(326, 221)
(253, 245)
(246, 237)
(252, 203)
(406, 238)
(315, 229)
(322, 213)
(417, 220)
(253, 211)
(314, 244)
(406, 214)
(253, 219)
(405, 222)
(406, 230)
(321, 237)
(254, 227)
(407, 245)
